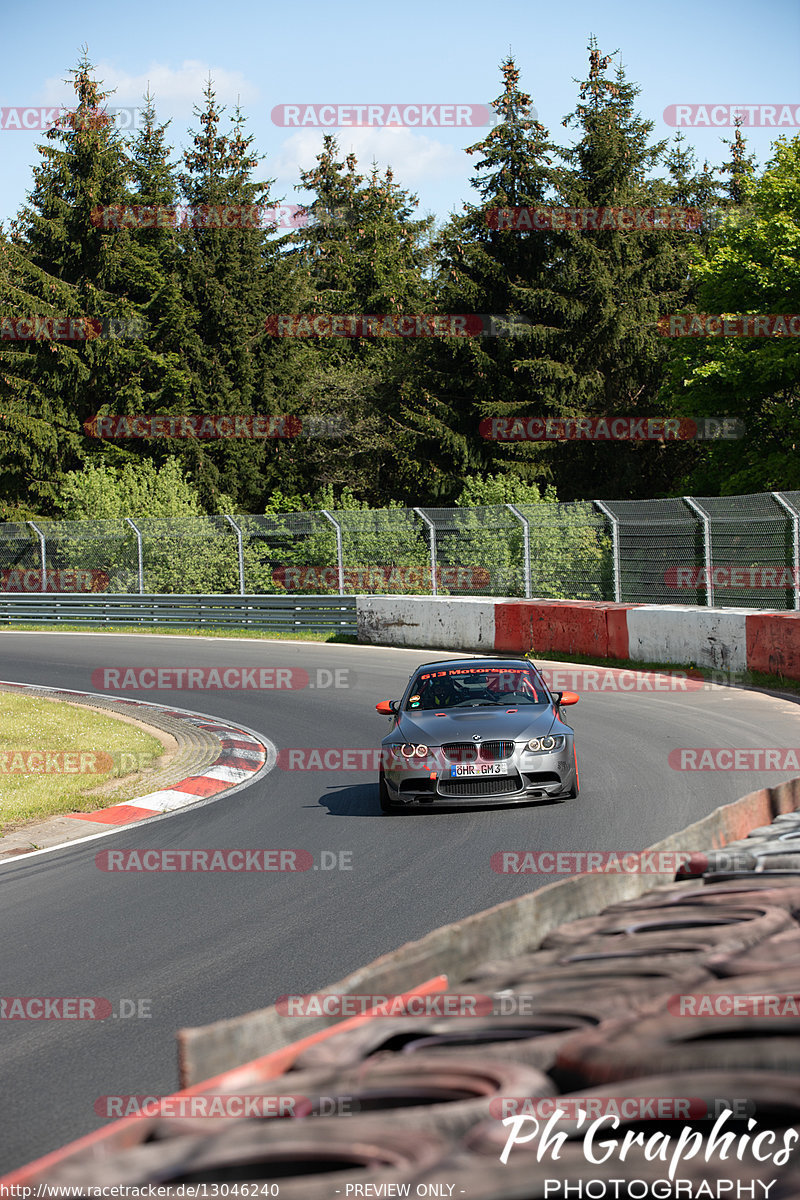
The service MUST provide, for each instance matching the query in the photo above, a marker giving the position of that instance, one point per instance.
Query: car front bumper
(529, 777)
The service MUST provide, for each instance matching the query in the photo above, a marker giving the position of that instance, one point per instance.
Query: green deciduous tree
(752, 266)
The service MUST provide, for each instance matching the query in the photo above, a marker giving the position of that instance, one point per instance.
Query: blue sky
(411, 52)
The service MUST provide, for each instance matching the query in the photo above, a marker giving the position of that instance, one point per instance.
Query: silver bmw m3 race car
(475, 732)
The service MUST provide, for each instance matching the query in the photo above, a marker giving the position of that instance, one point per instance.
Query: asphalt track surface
(201, 946)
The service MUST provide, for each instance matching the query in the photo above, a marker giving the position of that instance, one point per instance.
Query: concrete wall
(722, 639)
(432, 623)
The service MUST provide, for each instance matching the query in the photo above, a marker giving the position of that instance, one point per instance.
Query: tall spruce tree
(485, 268)
(40, 437)
(621, 283)
(363, 252)
(68, 259)
(225, 278)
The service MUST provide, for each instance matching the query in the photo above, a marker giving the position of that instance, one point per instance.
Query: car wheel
(383, 792)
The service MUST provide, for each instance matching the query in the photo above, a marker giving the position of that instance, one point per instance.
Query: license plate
(497, 768)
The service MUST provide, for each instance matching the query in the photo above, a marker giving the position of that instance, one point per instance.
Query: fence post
(339, 556)
(706, 519)
(794, 513)
(432, 530)
(526, 548)
(43, 554)
(615, 554)
(238, 533)
(139, 554)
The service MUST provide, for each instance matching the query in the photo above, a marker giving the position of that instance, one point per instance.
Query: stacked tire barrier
(668, 1023)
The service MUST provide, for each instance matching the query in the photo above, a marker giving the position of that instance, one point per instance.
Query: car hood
(460, 724)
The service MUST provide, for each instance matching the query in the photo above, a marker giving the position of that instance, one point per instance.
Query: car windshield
(476, 687)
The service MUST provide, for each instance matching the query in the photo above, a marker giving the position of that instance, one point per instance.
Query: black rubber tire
(739, 892)
(551, 969)
(745, 924)
(358, 1149)
(772, 1098)
(664, 1043)
(774, 954)
(404, 1036)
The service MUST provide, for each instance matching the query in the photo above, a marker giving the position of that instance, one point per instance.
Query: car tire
(383, 792)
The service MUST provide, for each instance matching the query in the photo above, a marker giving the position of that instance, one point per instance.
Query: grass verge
(54, 755)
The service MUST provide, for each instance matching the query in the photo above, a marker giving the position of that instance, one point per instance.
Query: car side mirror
(564, 698)
(387, 707)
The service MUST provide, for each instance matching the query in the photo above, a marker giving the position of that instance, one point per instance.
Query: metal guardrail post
(139, 554)
(432, 531)
(706, 519)
(339, 554)
(42, 552)
(526, 548)
(794, 513)
(615, 553)
(238, 533)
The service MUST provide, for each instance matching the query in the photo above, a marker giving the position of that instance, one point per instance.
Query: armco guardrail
(277, 614)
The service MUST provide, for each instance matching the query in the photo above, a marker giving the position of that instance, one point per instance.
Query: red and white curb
(244, 754)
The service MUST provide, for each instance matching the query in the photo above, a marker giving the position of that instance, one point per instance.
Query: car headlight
(409, 751)
(546, 745)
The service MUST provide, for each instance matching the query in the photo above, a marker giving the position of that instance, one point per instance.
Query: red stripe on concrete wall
(561, 626)
(773, 643)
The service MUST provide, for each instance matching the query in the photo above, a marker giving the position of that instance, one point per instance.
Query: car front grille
(494, 786)
(466, 752)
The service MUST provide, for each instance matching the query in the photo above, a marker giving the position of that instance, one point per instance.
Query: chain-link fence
(741, 551)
